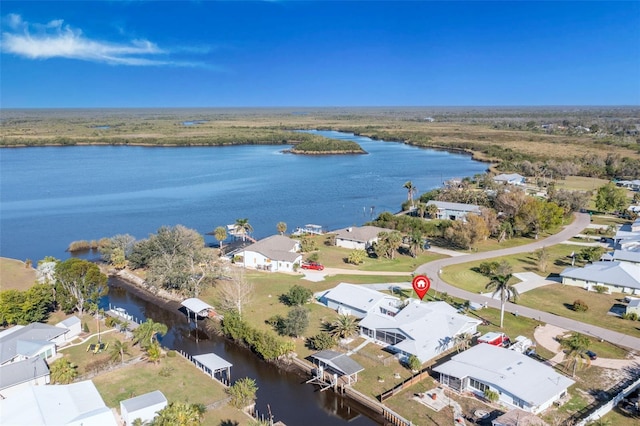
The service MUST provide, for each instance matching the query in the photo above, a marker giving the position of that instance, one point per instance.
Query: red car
(312, 265)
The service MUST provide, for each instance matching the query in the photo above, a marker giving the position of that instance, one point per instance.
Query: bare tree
(234, 292)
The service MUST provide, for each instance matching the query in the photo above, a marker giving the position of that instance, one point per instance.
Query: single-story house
(520, 381)
(61, 405)
(73, 326)
(359, 301)
(358, 237)
(422, 329)
(510, 179)
(623, 277)
(17, 375)
(36, 339)
(634, 185)
(144, 407)
(517, 417)
(633, 307)
(454, 211)
(276, 253)
(631, 256)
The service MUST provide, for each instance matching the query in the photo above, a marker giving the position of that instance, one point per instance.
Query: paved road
(581, 221)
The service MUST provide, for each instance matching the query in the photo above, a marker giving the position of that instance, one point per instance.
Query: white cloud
(57, 40)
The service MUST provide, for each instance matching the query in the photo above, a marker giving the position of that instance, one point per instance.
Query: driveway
(432, 270)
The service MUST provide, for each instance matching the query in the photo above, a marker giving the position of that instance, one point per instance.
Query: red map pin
(421, 285)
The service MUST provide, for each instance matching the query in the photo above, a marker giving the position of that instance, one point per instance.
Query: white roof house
(36, 339)
(510, 179)
(617, 276)
(60, 405)
(274, 253)
(144, 407)
(358, 237)
(421, 329)
(454, 211)
(359, 301)
(73, 327)
(521, 381)
(17, 375)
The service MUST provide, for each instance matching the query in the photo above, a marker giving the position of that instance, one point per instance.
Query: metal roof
(357, 296)
(623, 274)
(510, 371)
(455, 206)
(143, 401)
(362, 234)
(339, 362)
(18, 372)
(213, 361)
(196, 305)
(34, 332)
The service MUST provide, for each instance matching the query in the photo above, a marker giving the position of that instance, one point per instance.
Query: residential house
(510, 179)
(617, 276)
(358, 237)
(60, 405)
(454, 211)
(425, 330)
(517, 417)
(520, 381)
(631, 256)
(276, 253)
(36, 339)
(144, 407)
(18, 375)
(73, 325)
(633, 307)
(359, 301)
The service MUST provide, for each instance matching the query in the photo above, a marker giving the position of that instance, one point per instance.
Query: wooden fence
(407, 383)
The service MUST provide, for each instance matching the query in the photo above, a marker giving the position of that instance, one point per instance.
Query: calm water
(54, 195)
(51, 196)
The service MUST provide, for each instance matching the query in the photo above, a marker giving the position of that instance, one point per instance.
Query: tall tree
(611, 198)
(500, 285)
(221, 234)
(344, 326)
(234, 292)
(80, 282)
(416, 242)
(146, 334)
(281, 227)
(118, 349)
(63, 371)
(179, 414)
(389, 243)
(243, 392)
(242, 226)
(411, 190)
(576, 346)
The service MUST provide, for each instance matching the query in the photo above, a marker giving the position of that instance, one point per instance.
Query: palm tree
(63, 371)
(154, 352)
(576, 347)
(344, 326)
(221, 234)
(146, 333)
(118, 349)
(416, 242)
(282, 227)
(462, 341)
(410, 191)
(500, 285)
(243, 227)
(432, 210)
(421, 209)
(179, 414)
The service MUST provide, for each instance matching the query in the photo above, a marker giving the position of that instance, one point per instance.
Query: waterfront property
(340, 368)
(144, 407)
(276, 253)
(520, 381)
(454, 211)
(358, 237)
(212, 364)
(359, 301)
(424, 330)
(73, 327)
(75, 404)
(623, 277)
(510, 179)
(198, 307)
(18, 375)
(34, 340)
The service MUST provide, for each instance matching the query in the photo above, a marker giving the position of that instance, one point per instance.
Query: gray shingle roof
(23, 371)
(338, 361)
(455, 206)
(35, 332)
(276, 247)
(361, 234)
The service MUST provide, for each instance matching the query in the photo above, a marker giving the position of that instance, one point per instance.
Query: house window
(518, 402)
(389, 337)
(478, 385)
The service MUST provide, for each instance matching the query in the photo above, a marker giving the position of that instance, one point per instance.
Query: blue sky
(331, 53)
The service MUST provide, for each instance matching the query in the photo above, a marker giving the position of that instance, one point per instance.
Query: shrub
(414, 363)
(166, 371)
(81, 245)
(243, 392)
(600, 289)
(491, 395)
(321, 341)
(171, 354)
(580, 306)
(297, 296)
(356, 257)
(85, 327)
(630, 316)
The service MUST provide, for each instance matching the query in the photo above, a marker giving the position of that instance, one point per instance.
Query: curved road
(581, 221)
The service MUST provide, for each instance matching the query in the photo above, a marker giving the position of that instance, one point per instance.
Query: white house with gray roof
(36, 339)
(276, 253)
(358, 237)
(359, 301)
(17, 375)
(73, 327)
(510, 179)
(425, 330)
(454, 211)
(144, 407)
(622, 277)
(520, 381)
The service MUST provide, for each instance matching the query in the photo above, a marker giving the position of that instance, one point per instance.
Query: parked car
(312, 265)
(592, 355)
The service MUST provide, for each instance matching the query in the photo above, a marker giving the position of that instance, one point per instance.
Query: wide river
(51, 196)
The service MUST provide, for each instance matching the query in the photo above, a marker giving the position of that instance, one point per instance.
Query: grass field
(14, 275)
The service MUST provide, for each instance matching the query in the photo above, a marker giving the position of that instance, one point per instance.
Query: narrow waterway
(290, 399)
